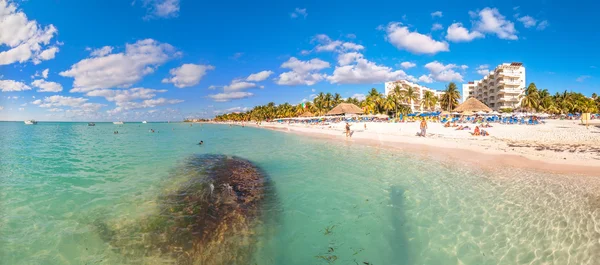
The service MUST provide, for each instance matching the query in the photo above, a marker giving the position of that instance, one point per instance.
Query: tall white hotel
(502, 88)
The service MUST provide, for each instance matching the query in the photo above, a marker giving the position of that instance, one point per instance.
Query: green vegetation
(559, 103)
(398, 102)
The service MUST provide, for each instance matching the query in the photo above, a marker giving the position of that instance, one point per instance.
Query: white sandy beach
(558, 145)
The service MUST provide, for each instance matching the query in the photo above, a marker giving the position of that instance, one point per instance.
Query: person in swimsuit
(423, 128)
(348, 129)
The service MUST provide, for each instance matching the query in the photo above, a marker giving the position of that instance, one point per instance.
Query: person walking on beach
(348, 130)
(423, 127)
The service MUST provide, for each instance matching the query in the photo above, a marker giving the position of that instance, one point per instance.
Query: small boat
(30, 122)
(144, 122)
(91, 124)
(117, 122)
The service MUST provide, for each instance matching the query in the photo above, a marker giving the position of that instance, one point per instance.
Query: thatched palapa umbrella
(307, 114)
(345, 108)
(472, 105)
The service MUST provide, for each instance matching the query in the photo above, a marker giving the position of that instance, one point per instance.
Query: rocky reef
(212, 216)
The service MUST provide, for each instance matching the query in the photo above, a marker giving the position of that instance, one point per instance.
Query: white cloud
(359, 96)
(60, 101)
(414, 42)
(437, 26)
(362, 71)
(443, 73)
(56, 110)
(237, 85)
(542, 25)
(161, 8)
(119, 69)
(426, 79)
(45, 73)
(582, 78)
(213, 87)
(348, 58)
(148, 103)
(326, 44)
(457, 33)
(299, 12)
(102, 51)
(483, 69)
(46, 86)
(187, 75)
(46, 55)
(11, 86)
(260, 76)
(1, 108)
(407, 65)
(21, 109)
(491, 21)
(303, 72)
(120, 96)
(351, 36)
(231, 110)
(223, 97)
(352, 46)
(528, 21)
(25, 38)
(436, 14)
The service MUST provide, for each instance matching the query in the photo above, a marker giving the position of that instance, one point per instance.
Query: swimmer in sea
(201, 142)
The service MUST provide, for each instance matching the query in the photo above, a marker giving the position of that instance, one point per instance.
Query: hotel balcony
(508, 99)
(511, 73)
(509, 91)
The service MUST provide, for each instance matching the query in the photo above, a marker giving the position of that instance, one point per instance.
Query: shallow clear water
(334, 202)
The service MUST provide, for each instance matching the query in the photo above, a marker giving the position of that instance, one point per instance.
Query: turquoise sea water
(334, 202)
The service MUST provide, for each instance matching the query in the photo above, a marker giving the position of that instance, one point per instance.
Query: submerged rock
(210, 218)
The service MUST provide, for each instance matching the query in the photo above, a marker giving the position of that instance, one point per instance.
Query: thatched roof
(345, 108)
(473, 105)
(307, 114)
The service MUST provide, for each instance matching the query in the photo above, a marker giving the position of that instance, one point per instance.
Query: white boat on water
(144, 122)
(30, 122)
(118, 122)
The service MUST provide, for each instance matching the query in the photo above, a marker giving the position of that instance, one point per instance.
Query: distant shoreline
(463, 149)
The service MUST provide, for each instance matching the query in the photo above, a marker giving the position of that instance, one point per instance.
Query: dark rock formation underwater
(214, 217)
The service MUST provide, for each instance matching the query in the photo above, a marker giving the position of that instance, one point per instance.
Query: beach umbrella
(480, 113)
(473, 105)
(467, 113)
(455, 113)
(345, 108)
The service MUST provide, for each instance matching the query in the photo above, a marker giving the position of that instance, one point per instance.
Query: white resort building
(420, 90)
(502, 88)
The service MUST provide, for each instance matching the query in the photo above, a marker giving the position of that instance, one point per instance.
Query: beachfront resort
(499, 111)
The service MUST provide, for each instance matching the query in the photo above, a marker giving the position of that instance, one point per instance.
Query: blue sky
(169, 59)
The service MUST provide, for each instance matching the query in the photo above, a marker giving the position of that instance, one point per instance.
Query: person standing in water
(348, 130)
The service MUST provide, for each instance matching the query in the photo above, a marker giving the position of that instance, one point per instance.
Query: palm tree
(389, 104)
(328, 101)
(410, 94)
(429, 100)
(319, 103)
(449, 100)
(373, 101)
(337, 99)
